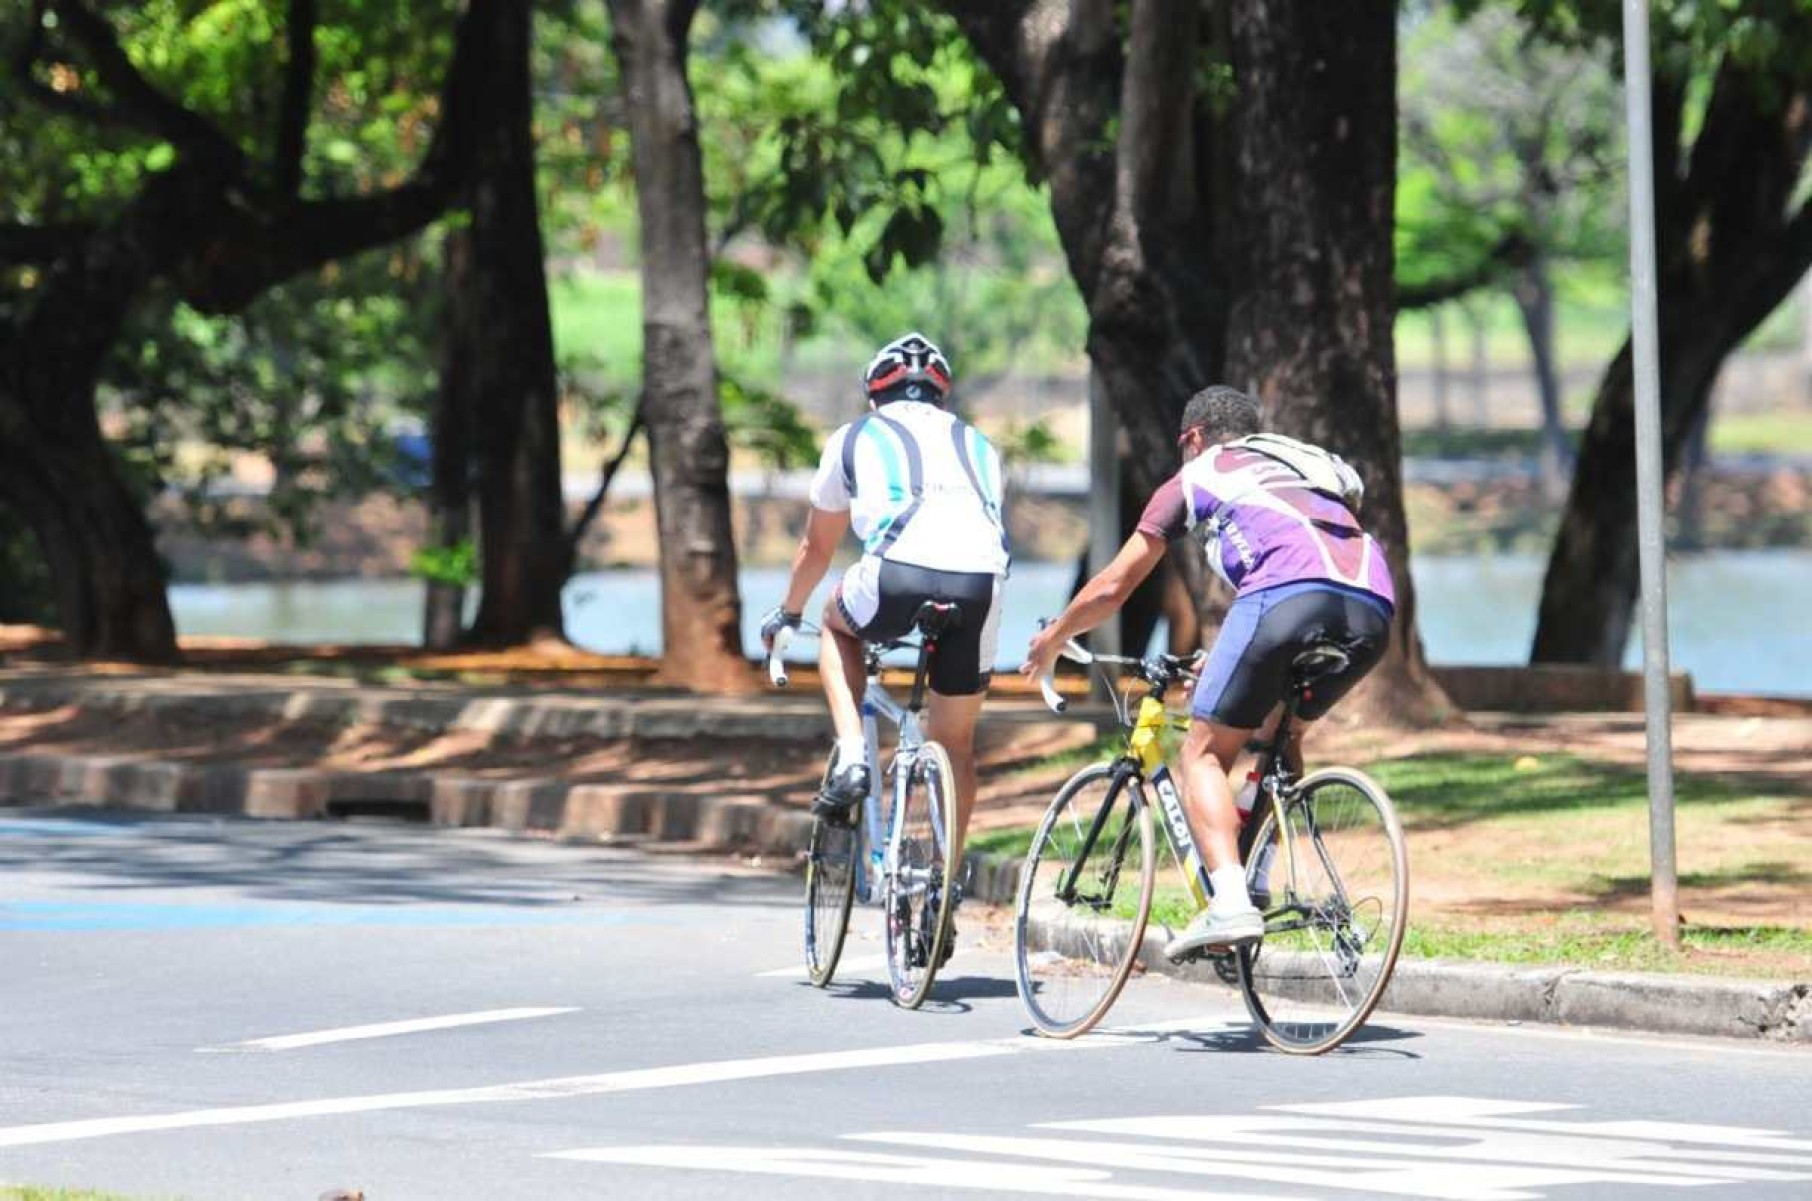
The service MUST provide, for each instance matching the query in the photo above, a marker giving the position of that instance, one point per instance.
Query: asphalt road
(241, 1010)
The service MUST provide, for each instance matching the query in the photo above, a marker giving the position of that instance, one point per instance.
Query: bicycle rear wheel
(1333, 924)
(830, 889)
(1084, 896)
(918, 891)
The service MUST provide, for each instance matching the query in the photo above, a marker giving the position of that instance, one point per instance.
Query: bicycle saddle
(1322, 658)
(934, 617)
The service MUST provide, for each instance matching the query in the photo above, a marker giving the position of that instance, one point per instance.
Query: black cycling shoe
(847, 787)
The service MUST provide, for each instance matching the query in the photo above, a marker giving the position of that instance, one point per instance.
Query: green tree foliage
(1509, 147)
(884, 157)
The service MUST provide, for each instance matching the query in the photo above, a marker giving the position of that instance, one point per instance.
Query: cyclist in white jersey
(922, 490)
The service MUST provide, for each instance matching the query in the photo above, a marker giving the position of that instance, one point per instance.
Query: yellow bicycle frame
(1146, 746)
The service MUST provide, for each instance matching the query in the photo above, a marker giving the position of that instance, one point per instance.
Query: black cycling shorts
(879, 600)
(1248, 671)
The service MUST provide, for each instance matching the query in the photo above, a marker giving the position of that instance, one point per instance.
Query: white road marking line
(1575, 1148)
(940, 1173)
(860, 963)
(560, 1087)
(288, 1042)
(1472, 1112)
(1376, 1176)
(1413, 1152)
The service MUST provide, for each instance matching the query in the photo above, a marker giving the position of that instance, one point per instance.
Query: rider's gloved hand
(776, 620)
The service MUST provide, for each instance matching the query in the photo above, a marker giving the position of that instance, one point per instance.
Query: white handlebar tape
(776, 668)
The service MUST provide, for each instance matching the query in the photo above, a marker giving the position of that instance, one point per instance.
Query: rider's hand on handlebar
(1041, 653)
(775, 620)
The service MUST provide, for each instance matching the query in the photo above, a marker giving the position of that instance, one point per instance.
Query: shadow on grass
(1442, 791)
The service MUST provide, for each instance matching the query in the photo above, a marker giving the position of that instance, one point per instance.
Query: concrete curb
(728, 823)
(793, 719)
(1771, 1010)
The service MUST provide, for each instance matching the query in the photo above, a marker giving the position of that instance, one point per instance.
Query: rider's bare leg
(844, 674)
(951, 723)
(1292, 751)
(1207, 756)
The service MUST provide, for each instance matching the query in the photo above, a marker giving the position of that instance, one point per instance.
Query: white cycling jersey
(921, 487)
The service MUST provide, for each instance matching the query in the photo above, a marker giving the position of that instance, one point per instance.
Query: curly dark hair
(1222, 413)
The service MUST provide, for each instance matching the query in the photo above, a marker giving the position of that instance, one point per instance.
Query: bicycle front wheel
(918, 897)
(1084, 896)
(830, 889)
(1335, 909)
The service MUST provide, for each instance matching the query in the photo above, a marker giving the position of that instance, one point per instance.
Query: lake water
(1741, 621)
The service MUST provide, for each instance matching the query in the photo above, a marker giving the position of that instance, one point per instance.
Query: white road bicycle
(901, 853)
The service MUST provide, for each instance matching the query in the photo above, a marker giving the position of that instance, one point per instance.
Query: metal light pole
(1650, 536)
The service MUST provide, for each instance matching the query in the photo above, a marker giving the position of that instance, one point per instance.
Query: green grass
(1591, 323)
(1471, 442)
(1783, 431)
(1439, 790)
(1558, 830)
(599, 315)
(1582, 940)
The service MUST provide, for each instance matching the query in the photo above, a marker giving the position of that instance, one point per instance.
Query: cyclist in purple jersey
(1277, 519)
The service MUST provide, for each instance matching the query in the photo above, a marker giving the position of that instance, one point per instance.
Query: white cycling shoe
(1217, 929)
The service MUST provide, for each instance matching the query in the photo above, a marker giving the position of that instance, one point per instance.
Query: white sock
(1230, 889)
(851, 750)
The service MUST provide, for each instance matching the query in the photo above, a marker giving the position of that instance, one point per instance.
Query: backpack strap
(915, 484)
(959, 436)
(849, 452)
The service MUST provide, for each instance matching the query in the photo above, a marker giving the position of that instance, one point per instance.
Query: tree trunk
(1731, 245)
(1481, 368)
(1691, 506)
(99, 548)
(1588, 599)
(218, 236)
(701, 609)
(1315, 138)
(1437, 331)
(1133, 158)
(1534, 293)
(450, 485)
(521, 511)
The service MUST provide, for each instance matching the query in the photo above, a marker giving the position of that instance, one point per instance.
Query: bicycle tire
(916, 897)
(1073, 955)
(830, 889)
(1333, 935)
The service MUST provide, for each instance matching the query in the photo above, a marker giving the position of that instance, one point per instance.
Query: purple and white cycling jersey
(1265, 524)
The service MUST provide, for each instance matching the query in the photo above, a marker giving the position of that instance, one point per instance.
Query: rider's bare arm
(824, 529)
(1102, 596)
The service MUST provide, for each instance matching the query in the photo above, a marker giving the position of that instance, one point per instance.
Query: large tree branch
(606, 476)
(298, 96)
(262, 248)
(135, 100)
(1774, 270)
(1512, 250)
(40, 243)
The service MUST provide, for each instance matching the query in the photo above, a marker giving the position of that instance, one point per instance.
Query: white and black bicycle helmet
(908, 368)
